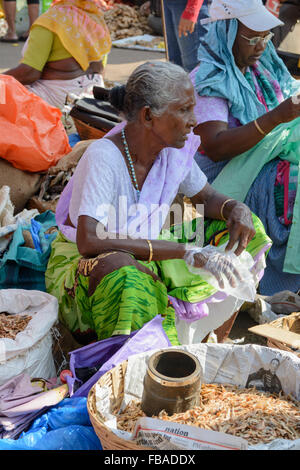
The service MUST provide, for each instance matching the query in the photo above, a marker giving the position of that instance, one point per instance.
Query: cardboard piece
(284, 336)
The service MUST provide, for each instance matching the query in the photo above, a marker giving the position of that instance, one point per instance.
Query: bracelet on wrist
(150, 251)
(259, 128)
(222, 208)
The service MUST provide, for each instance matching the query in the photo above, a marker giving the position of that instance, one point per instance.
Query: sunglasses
(257, 39)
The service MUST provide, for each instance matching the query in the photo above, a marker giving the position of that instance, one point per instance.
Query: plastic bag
(33, 137)
(284, 302)
(224, 270)
(108, 353)
(53, 431)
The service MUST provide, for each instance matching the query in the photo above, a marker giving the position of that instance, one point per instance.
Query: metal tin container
(172, 382)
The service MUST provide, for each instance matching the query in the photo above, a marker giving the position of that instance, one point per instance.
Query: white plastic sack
(222, 364)
(31, 351)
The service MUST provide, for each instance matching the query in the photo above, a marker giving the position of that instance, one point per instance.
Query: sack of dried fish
(11, 325)
(26, 320)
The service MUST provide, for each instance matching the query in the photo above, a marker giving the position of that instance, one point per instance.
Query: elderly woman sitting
(112, 268)
(65, 51)
(250, 137)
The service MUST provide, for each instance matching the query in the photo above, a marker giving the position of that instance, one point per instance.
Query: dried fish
(124, 21)
(256, 416)
(57, 179)
(11, 325)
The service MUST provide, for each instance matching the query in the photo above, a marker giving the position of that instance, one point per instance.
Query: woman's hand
(217, 263)
(240, 225)
(237, 215)
(185, 27)
(288, 110)
(145, 8)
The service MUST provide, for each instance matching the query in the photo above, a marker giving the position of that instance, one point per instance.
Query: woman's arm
(90, 245)
(91, 242)
(24, 74)
(37, 51)
(221, 143)
(189, 17)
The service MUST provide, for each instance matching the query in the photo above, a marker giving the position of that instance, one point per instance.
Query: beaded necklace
(131, 167)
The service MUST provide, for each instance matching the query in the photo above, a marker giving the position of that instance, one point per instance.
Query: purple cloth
(20, 403)
(16, 392)
(161, 185)
(150, 336)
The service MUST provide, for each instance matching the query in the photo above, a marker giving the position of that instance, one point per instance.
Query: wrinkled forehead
(250, 33)
(185, 91)
(183, 96)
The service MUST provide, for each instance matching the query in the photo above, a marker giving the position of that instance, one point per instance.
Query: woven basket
(291, 323)
(114, 379)
(87, 132)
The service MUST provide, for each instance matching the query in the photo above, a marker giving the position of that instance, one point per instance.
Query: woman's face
(171, 128)
(246, 55)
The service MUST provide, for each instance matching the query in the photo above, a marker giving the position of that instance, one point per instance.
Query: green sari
(127, 298)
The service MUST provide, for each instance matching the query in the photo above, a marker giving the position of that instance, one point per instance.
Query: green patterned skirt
(126, 298)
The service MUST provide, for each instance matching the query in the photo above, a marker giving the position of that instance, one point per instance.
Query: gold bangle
(151, 251)
(259, 128)
(222, 208)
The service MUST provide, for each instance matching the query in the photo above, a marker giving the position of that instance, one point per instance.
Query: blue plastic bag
(65, 426)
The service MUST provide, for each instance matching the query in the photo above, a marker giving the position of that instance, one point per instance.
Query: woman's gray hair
(154, 84)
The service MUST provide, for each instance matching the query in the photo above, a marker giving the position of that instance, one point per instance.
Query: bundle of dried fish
(56, 178)
(258, 417)
(124, 21)
(51, 188)
(53, 185)
(11, 325)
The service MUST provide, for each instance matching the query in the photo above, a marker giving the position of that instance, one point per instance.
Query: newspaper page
(165, 435)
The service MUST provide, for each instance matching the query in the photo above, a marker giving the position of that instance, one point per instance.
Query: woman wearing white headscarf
(247, 121)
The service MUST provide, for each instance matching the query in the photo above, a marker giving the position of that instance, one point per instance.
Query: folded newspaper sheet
(270, 370)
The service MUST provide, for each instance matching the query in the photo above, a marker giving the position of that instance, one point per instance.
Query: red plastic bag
(32, 136)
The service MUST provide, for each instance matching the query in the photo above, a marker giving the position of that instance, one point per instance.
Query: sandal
(3, 39)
